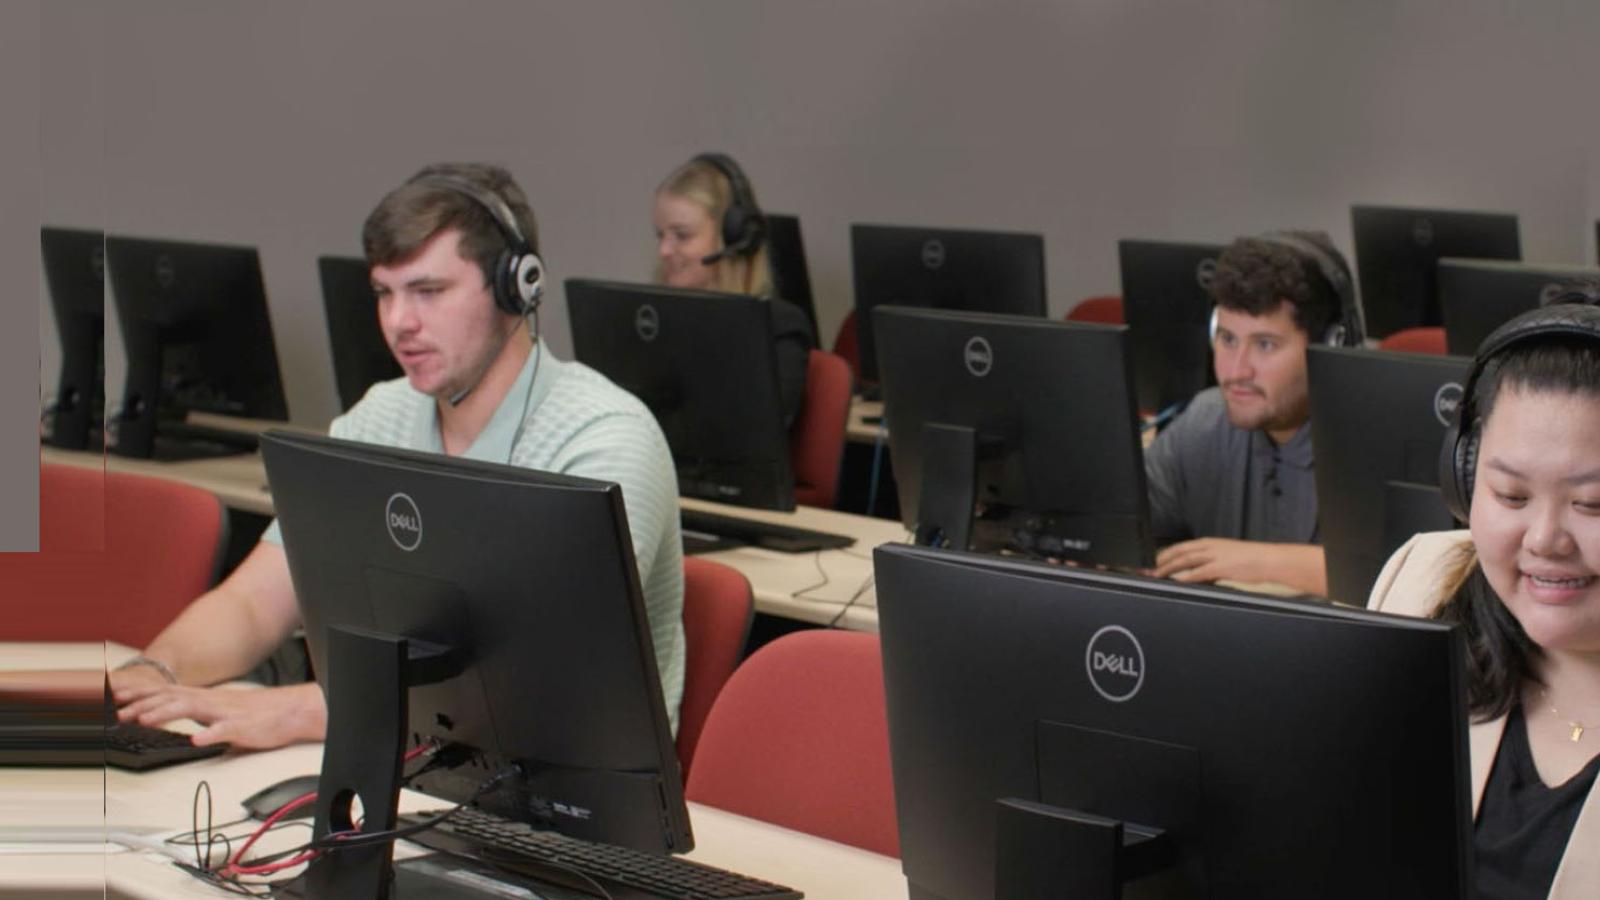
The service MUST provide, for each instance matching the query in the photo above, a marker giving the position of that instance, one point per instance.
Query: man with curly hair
(1232, 489)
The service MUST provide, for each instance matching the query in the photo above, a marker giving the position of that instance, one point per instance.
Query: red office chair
(1416, 340)
(845, 344)
(799, 737)
(120, 556)
(816, 440)
(1107, 310)
(717, 609)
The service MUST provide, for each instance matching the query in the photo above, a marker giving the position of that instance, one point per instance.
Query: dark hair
(1254, 276)
(1500, 655)
(408, 216)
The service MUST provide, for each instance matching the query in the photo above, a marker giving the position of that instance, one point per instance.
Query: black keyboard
(489, 838)
(140, 747)
(704, 532)
(177, 441)
(73, 744)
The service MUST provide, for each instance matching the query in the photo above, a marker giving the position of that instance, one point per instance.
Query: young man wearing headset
(1232, 489)
(454, 264)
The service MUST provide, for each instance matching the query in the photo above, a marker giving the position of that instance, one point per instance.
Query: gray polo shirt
(1210, 479)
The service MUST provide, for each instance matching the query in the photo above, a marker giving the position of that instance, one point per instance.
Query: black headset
(1347, 329)
(1458, 457)
(744, 226)
(518, 277)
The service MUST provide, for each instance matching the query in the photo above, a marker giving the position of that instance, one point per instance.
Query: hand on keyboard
(254, 719)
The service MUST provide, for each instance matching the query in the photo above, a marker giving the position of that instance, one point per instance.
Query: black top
(793, 340)
(1523, 824)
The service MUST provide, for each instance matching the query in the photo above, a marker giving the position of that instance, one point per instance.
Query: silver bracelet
(158, 665)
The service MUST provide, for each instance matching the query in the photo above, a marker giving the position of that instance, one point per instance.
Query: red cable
(269, 868)
(233, 866)
(292, 805)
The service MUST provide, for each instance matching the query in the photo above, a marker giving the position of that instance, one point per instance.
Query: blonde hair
(704, 185)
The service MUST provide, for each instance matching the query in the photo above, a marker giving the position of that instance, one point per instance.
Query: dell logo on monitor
(978, 356)
(1422, 232)
(647, 322)
(404, 522)
(166, 271)
(933, 253)
(1115, 663)
(1204, 273)
(1446, 401)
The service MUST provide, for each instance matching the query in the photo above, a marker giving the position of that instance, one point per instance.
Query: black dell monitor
(786, 256)
(492, 612)
(1397, 249)
(1378, 420)
(1015, 434)
(361, 356)
(941, 268)
(74, 269)
(197, 338)
(1061, 732)
(704, 363)
(1166, 301)
(1476, 296)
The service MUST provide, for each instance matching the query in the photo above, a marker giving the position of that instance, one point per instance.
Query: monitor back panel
(1166, 301)
(1376, 418)
(1396, 252)
(1478, 296)
(940, 268)
(361, 356)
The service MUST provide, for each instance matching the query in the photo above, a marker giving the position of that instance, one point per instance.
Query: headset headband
(1459, 455)
(1336, 276)
(491, 202)
(743, 225)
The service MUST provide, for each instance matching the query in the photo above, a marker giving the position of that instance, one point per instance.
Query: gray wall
(19, 259)
(280, 124)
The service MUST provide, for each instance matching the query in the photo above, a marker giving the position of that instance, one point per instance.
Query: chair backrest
(1423, 339)
(846, 344)
(120, 556)
(816, 440)
(1107, 309)
(799, 737)
(717, 610)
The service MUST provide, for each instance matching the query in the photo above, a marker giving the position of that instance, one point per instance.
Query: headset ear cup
(1466, 473)
(528, 280)
(1211, 327)
(518, 282)
(505, 291)
(734, 225)
(1458, 457)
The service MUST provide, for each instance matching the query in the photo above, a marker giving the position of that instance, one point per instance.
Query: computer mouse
(273, 797)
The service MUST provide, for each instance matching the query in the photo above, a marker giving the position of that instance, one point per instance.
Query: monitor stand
(1044, 851)
(369, 676)
(949, 486)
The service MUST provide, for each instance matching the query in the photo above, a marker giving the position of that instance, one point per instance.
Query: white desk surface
(857, 429)
(830, 587)
(810, 587)
(53, 822)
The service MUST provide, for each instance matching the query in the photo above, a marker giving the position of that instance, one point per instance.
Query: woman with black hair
(1524, 584)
